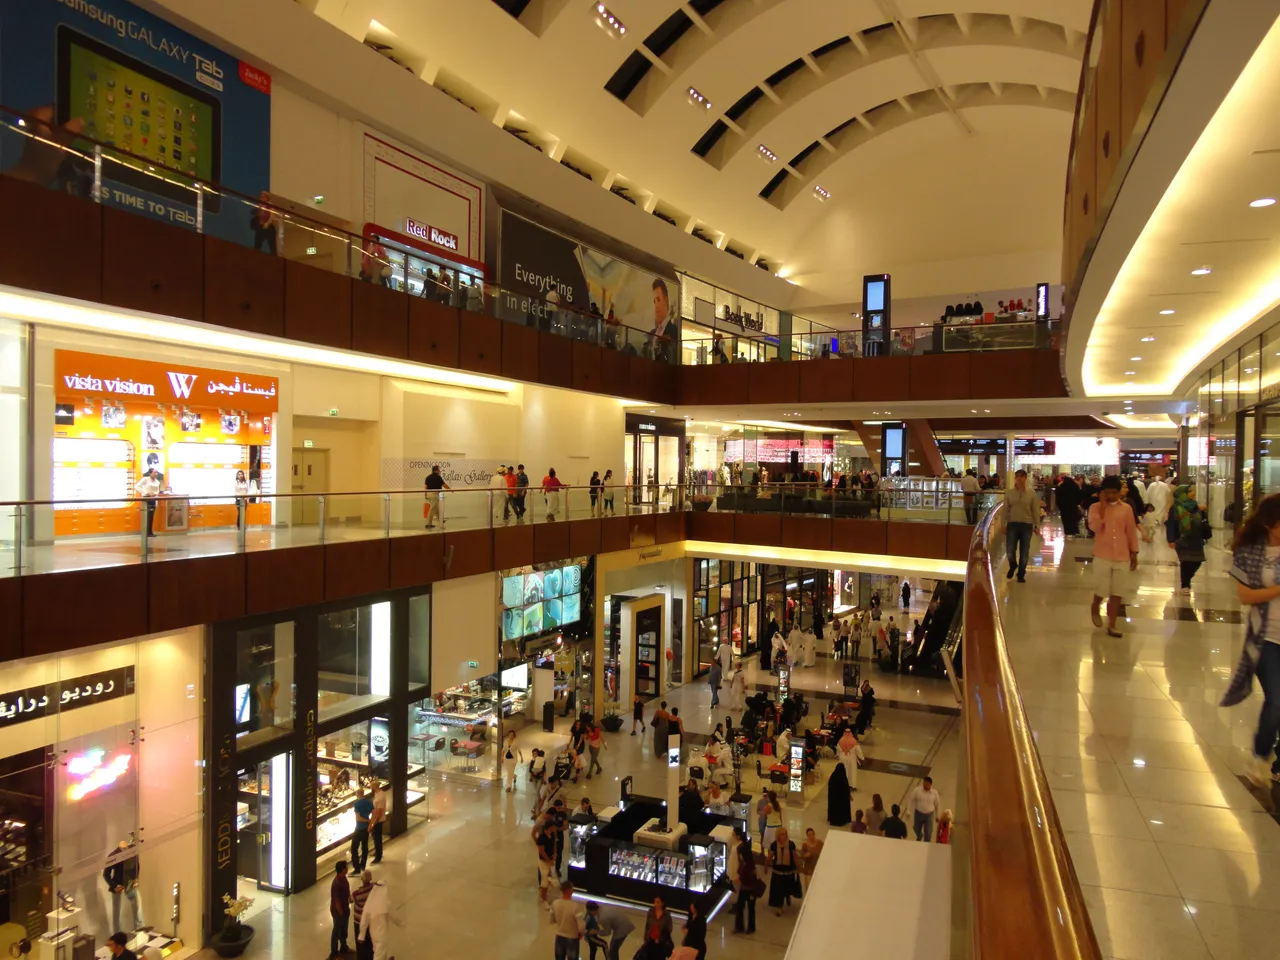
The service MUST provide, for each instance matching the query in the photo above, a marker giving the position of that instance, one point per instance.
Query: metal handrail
(1025, 896)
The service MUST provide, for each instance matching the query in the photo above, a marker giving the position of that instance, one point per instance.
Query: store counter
(654, 834)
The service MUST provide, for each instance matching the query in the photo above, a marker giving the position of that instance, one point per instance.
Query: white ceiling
(949, 176)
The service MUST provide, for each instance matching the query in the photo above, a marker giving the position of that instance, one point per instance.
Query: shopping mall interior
(548, 478)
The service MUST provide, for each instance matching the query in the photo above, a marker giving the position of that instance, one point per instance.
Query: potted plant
(611, 721)
(702, 502)
(235, 935)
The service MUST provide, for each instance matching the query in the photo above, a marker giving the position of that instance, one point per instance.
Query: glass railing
(48, 536)
(962, 335)
(1020, 855)
(77, 164)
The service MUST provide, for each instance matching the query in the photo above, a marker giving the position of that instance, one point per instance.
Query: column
(1009, 440)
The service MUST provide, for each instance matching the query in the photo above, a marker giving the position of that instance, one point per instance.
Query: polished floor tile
(1225, 876)
(1098, 813)
(1120, 863)
(1090, 776)
(1236, 933)
(1220, 828)
(1142, 926)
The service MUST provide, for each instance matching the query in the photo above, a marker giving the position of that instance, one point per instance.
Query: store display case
(708, 860)
(342, 766)
(582, 827)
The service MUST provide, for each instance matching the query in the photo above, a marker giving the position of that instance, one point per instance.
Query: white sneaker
(1259, 772)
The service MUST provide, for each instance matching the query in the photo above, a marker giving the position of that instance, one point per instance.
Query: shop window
(354, 658)
(348, 761)
(265, 684)
(420, 641)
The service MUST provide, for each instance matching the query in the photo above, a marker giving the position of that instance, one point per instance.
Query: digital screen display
(242, 703)
(551, 583)
(533, 587)
(571, 609)
(893, 443)
(137, 108)
(513, 623)
(551, 614)
(517, 678)
(875, 296)
(572, 579)
(513, 591)
(532, 619)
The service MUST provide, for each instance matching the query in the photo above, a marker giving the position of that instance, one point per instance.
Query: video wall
(536, 601)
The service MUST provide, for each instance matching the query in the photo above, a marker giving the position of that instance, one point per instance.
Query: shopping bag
(426, 510)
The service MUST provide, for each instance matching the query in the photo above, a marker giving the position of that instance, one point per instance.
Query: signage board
(59, 696)
(1042, 301)
(433, 235)
(78, 375)
(995, 447)
(795, 765)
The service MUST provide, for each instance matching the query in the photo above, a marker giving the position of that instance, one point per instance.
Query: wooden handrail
(1026, 898)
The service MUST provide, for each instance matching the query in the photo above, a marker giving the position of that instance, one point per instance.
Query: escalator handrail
(1025, 895)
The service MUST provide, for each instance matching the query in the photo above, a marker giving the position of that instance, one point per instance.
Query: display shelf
(412, 798)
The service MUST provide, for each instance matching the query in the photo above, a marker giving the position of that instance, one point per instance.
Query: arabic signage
(63, 695)
(78, 375)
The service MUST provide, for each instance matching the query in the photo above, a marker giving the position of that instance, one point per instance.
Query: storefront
(424, 263)
(309, 707)
(654, 459)
(793, 594)
(748, 331)
(726, 596)
(200, 430)
(100, 759)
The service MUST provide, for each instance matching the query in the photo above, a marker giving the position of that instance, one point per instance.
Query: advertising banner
(109, 72)
(90, 374)
(538, 266)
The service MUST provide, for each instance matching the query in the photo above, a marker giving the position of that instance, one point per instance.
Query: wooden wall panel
(907, 538)
(615, 534)
(615, 370)
(666, 382)
(940, 376)
(860, 536)
(584, 537)
(586, 367)
(283, 579)
(713, 527)
(1084, 187)
(380, 320)
(11, 618)
(555, 360)
(1046, 375)
(1111, 135)
(641, 382)
(774, 383)
(642, 530)
(806, 533)
(243, 289)
(354, 568)
(42, 232)
(551, 542)
(513, 545)
(520, 352)
(416, 560)
(433, 333)
(826, 381)
(317, 306)
(467, 553)
(672, 527)
(80, 608)
(1174, 12)
(1143, 37)
(877, 379)
(716, 383)
(480, 344)
(1002, 374)
(959, 536)
(174, 605)
(762, 529)
(150, 265)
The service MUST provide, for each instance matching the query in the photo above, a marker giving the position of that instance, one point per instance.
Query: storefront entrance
(262, 823)
(654, 459)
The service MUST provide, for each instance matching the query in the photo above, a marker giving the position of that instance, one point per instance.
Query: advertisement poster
(540, 269)
(177, 108)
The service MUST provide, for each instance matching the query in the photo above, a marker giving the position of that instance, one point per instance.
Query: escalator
(940, 629)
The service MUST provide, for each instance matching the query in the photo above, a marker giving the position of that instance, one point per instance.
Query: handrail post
(386, 515)
(17, 539)
(322, 516)
(142, 528)
(243, 525)
(97, 173)
(199, 207)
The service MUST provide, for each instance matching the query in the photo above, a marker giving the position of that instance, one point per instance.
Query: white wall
(464, 627)
(317, 390)
(574, 432)
(311, 154)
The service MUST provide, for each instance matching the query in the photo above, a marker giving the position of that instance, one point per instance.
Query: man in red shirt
(1115, 551)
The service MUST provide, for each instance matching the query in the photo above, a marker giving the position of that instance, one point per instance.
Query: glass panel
(13, 419)
(1250, 373)
(1268, 474)
(265, 688)
(420, 640)
(349, 762)
(1230, 384)
(354, 652)
(426, 749)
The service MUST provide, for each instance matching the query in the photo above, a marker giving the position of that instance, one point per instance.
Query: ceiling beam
(696, 17)
(889, 8)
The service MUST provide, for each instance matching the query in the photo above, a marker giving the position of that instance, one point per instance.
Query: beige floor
(1179, 859)
(463, 884)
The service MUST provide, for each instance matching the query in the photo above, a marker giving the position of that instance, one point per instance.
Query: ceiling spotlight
(608, 21)
(1147, 339)
(767, 154)
(697, 99)
(1135, 359)
(1131, 373)
(1165, 313)
(821, 194)
(1201, 272)
(1263, 202)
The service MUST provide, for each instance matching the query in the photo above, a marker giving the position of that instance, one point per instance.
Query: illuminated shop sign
(62, 695)
(80, 374)
(1042, 301)
(779, 451)
(92, 772)
(423, 231)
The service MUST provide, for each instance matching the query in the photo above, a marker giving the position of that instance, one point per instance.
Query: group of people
(605, 927)
(366, 909)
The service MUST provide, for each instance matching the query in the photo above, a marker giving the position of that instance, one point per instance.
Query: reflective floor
(463, 884)
(1178, 856)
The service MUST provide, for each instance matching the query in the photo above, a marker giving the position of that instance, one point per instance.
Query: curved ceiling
(878, 102)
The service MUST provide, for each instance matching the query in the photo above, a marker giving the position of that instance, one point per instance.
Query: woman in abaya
(838, 814)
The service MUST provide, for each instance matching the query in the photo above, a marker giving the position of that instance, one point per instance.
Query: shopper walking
(434, 484)
(511, 755)
(1256, 570)
(1068, 498)
(876, 815)
(714, 677)
(969, 488)
(695, 931)
(359, 896)
(374, 924)
(569, 917)
(659, 723)
(1115, 552)
(339, 910)
(379, 798)
(749, 886)
(360, 835)
(738, 687)
(596, 486)
(810, 851)
(1186, 530)
(637, 714)
(657, 933)
(906, 594)
(1022, 516)
(551, 487)
(498, 494)
(784, 882)
(894, 827)
(595, 743)
(522, 490)
(925, 803)
(606, 494)
(850, 755)
(772, 820)
(509, 481)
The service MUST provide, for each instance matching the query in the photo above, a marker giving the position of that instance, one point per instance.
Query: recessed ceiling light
(697, 99)
(986, 411)
(768, 155)
(1131, 373)
(1135, 359)
(1147, 339)
(1263, 202)
(608, 21)
(973, 411)
(822, 194)
(1201, 272)
(1165, 313)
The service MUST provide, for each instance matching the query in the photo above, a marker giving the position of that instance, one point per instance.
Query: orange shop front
(115, 418)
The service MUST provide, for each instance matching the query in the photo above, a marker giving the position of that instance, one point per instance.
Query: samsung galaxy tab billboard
(167, 109)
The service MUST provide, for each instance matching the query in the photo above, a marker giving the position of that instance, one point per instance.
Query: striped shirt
(358, 896)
